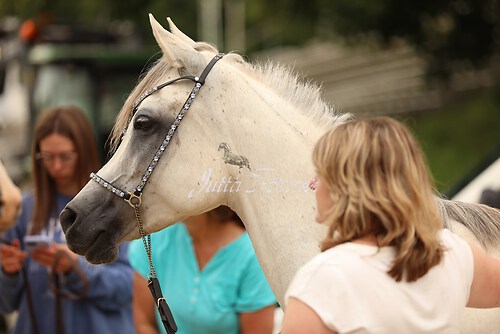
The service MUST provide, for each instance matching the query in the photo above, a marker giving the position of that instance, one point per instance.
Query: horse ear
(178, 33)
(177, 49)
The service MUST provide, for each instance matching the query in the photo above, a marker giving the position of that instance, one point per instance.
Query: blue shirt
(107, 306)
(210, 300)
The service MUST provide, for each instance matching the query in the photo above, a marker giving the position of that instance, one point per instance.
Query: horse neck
(275, 202)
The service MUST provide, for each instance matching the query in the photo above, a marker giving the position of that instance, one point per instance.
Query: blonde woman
(387, 265)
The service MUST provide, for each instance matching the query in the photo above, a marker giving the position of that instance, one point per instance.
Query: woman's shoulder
(160, 239)
(28, 203)
(448, 237)
(28, 198)
(456, 247)
(325, 270)
(243, 243)
(238, 253)
(343, 259)
(169, 232)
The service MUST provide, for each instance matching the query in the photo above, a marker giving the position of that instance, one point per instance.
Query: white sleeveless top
(349, 288)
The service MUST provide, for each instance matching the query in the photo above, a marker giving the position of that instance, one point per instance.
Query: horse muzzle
(93, 241)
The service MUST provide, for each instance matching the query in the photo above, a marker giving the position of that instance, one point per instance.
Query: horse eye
(143, 123)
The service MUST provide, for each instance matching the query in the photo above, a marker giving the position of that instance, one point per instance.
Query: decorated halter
(134, 198)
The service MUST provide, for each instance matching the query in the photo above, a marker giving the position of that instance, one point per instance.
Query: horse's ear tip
(151, 18)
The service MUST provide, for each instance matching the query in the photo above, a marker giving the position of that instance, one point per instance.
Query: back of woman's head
(380, 185)
(70, 122)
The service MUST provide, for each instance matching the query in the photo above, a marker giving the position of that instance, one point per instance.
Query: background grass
(459, 139)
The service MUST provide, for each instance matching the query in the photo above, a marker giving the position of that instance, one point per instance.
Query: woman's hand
(46, 256)
(12, 257)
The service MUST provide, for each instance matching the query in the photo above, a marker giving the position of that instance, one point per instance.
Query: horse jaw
(177, 49)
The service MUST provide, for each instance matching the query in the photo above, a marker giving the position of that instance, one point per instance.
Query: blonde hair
(380, 185)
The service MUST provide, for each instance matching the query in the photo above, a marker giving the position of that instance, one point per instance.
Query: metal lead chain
(146, 240)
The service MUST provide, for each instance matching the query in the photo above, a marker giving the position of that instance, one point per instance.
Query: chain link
(146, 240)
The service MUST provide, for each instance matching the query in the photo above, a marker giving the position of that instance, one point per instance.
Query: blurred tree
(101, 14)
(450, 33)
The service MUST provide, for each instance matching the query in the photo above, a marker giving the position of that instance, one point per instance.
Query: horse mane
(483, 221)
(145, 82)
(299, 91)
(283, 80)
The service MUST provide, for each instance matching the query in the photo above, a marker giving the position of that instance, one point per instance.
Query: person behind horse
(10, 200)
(387, 264)
(62, 292)
(210, 277)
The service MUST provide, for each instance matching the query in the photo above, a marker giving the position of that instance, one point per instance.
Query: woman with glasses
(53, 289)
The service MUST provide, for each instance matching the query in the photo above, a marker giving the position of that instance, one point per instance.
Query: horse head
(97, 220)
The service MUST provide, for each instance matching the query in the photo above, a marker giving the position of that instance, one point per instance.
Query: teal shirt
(207, 301)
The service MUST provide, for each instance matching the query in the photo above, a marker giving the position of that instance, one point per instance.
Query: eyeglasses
(49, 158)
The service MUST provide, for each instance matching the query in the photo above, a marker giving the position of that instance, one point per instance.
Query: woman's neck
(203, 229)
(209, 235)
(369, 239)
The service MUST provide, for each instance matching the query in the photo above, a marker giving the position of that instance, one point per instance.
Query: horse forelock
(149, 79)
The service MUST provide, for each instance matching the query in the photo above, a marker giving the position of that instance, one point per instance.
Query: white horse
(10, 200)
(265, 116)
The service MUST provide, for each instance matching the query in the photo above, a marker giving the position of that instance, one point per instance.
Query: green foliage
(450, 32)
(456, 139)
(104, 12)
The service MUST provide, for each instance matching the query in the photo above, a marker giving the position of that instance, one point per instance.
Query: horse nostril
(67, 218)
